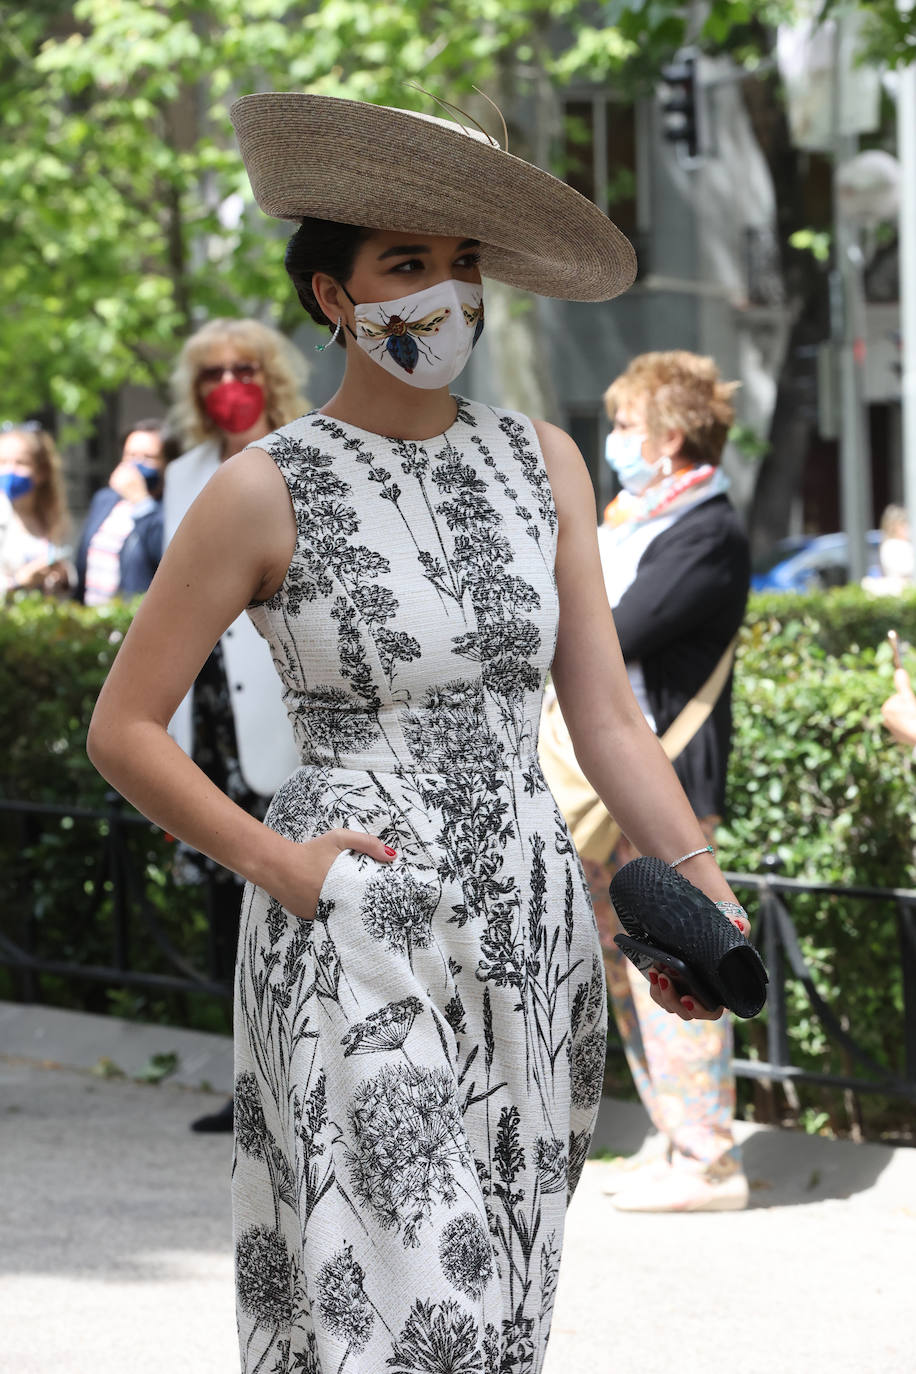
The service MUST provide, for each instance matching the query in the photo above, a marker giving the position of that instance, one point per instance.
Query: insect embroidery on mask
(473, 315)
(399, 336)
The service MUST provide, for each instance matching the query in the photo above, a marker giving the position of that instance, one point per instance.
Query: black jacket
(676, 619)
(140, 552)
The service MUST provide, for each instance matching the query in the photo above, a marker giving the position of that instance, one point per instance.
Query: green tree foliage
(891, 31)
(121, 183)
(121, 187)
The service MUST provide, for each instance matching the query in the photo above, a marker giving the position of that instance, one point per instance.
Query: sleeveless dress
(418, 1069)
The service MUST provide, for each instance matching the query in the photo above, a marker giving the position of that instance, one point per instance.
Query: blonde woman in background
(235, 381)
(34, 519)
(268, 372)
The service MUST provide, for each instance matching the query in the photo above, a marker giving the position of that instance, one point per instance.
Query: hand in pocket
(316, 858)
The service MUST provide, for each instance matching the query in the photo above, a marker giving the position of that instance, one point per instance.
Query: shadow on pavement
(785, 1168)
(791, 1169)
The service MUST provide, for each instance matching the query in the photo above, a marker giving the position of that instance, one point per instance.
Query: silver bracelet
(733, 909)
(694, 853)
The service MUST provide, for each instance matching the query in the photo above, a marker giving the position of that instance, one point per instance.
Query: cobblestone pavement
(115, 1249)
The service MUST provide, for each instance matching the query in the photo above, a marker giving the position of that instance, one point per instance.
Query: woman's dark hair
(170, 445)
(321, 245)
(142, 427)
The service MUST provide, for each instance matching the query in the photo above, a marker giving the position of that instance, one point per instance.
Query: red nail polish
(686, 1002)
(390, 852)
(663, 983)
(653, 976)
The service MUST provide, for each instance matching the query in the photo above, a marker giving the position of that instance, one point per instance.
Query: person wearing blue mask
(121, 543)
(34, 520)
(676, 570)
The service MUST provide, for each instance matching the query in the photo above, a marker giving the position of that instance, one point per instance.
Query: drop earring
(319, 348)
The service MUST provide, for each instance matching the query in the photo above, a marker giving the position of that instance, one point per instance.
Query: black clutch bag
(670, 922)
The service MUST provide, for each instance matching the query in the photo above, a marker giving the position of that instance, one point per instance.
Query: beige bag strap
(699, 708)
(595, 832)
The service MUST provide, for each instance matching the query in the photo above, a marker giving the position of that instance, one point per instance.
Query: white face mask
(426, 338)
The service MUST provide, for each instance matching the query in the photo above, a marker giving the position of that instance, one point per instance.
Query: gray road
(115, 1253)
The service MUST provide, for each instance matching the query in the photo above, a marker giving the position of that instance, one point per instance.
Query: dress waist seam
(520, 765)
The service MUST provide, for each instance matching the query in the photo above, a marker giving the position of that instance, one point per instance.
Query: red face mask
(235, 406)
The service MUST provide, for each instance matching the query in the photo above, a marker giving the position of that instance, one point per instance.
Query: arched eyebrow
(408, 249)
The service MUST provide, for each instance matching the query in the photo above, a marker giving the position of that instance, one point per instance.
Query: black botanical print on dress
(465, 1253)
(263, 1276)
(398, 907)
(438, 1338)
(386, 1029)
(418, 1069)
(410, 1147)
(342, 1302)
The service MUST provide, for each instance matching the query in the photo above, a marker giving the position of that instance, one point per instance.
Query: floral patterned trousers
(682, 1069)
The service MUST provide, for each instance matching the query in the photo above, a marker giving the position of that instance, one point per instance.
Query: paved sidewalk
(115, 1236)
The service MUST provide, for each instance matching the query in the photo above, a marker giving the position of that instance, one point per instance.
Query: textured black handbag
(669, 921)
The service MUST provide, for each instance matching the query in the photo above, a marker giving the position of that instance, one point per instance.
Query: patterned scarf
(675, 492)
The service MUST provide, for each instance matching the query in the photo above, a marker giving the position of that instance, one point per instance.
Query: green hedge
(817, 780)
(814, 778)
(54, 657)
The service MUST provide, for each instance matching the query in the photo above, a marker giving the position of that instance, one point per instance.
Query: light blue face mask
(623, 452)
(15, 484)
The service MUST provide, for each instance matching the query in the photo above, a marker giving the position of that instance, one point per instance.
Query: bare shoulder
(244, 513)
(573, 494)
(251, 481)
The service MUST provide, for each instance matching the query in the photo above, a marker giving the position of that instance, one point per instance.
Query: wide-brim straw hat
(383, 168)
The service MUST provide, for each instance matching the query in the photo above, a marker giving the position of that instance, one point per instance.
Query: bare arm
(233, 546)
(899, 711)
(616, 749)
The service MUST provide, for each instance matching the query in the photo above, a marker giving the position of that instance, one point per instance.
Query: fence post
(777, 1028)
(29, 982)
(906, 924)
(121, 910)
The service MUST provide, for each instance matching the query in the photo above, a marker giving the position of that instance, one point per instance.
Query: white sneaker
(651, 1158)
(678, 1189)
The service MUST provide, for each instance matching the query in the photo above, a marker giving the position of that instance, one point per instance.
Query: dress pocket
(341, 887)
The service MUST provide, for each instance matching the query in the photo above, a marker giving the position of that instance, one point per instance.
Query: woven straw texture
(391, 169)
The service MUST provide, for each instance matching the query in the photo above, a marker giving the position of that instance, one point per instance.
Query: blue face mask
(15, 484)
(623, 452)
(152, 476)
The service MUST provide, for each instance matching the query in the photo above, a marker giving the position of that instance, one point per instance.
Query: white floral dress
(419, 1068)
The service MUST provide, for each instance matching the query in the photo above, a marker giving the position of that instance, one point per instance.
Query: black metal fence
(120, 885)
(777, 938)
(134, 917)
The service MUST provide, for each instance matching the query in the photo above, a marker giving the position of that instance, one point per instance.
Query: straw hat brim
(383, 168)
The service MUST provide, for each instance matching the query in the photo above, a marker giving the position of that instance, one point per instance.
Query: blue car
(806, 563)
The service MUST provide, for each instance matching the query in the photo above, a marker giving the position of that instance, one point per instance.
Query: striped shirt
(103, 558)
